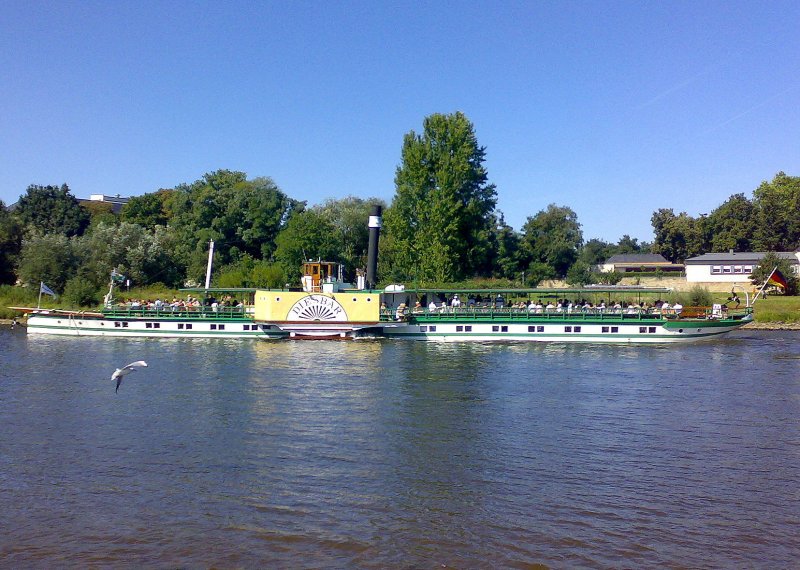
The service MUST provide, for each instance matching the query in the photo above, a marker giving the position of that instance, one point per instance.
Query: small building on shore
(638, 263)
(731, 267)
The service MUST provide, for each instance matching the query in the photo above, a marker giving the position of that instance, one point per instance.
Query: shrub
(81, 292)
(697, 296)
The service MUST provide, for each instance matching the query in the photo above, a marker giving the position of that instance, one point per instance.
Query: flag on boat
(46, 290)
(776, 278)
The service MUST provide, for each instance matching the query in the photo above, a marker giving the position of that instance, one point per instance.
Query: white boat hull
(586, 333)
(190, 328)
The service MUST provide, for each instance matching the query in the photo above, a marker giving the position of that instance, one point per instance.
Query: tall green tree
(732, 225)
(777, 205)
(553, 237)
(350, 217)
(441, 219)
(49, 258)
(143, 256)
(52, 209)
(148, 210)
(677, 237)
(10, 245)
(596, 251)
(508, 263)
(242, 217)
(307, 235)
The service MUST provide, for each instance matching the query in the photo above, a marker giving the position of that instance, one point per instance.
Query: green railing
(511, 314)
(177, 313)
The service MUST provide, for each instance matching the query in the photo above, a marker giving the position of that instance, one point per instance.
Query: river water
(400, 454)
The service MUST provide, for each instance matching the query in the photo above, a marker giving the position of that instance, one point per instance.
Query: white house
(731, 267)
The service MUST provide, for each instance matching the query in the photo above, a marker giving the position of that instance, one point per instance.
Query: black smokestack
(372, 252)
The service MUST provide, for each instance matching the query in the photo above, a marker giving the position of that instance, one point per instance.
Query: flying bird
(120, 373)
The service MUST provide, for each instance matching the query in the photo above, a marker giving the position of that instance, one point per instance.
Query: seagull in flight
(120, 373)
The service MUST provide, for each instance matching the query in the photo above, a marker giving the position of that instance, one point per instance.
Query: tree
(52, 209)
(350, 217)
(627, 244)
(242, 217)
(100, 212)
(441, 216)
(580, 274)
(49, 258)
(509, 261)
(732, 225)
(10, 245)
(307, 235)
(148, 210)
(141, 255)
(553, 237)
(777, 205)
(677, 237)
(764, 269)
(248, 272)
(596, 251)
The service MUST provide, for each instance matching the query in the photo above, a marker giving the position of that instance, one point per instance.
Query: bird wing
(135, 365)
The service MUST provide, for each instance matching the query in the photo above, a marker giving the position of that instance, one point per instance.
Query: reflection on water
(400, 454)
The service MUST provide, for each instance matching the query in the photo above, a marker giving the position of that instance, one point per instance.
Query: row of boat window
(184, 326)
(537, 328)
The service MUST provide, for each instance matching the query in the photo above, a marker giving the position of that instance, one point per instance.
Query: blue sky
(614, 109)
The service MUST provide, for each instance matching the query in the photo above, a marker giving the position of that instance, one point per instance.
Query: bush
(81, 292)
(608, 278)
(697, 296)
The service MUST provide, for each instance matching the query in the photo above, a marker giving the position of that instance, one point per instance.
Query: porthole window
(432, 328)
(468, 328)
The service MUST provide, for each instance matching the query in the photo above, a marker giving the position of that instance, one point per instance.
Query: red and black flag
(776, 278)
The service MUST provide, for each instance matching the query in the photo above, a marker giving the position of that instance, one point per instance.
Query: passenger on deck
(432, 306)
(400, 313)
(455, 302)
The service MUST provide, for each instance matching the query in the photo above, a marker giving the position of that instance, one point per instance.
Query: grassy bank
(777, 310)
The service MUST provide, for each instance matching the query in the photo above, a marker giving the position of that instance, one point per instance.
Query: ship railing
(168, 312)
(511, 313)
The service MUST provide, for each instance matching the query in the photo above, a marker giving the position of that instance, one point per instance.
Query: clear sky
(612, 108)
